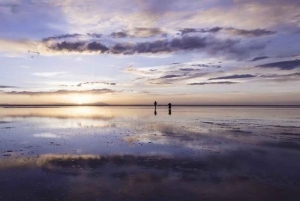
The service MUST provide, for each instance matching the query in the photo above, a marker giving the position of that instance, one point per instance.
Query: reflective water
(131, 153)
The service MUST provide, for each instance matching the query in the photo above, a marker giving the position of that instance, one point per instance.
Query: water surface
(135, 153)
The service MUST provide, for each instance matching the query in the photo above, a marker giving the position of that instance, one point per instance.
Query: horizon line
(149, 105)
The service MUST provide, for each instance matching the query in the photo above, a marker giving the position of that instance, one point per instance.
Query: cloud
(208, 44)
(77, 47)
(138, 32)
(95, 46)
(281, 77)
(171, 76)
(119, 34)
(188, 30)
(155, 41)
(142, 32)
(244, 14)
(209, 83)
(187, 69)
(5, 87)
(206, 66)
(176, 73)
(94, 35)
(230, 30)
(64, 36)
(125, 14)
(72, 36)
(249, 33)
(92, 91)
(93, 83)
(282, 65)
(100, 14)
(233, 77)
(195, 30)
(259, 58)
(68, 46)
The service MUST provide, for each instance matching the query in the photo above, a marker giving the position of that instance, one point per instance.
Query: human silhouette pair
(169, 105)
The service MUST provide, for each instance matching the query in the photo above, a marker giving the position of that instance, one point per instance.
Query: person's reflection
(155, 113)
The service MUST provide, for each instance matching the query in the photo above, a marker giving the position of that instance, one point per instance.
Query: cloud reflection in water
(115, 153)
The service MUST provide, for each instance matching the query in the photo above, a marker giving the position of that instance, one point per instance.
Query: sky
(209, 52)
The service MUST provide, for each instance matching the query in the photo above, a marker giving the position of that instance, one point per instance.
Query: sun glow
(82, 99)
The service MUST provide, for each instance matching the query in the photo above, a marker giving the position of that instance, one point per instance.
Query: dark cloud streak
(249, 33)
(234, 77)
(259, 58)
(282, 65)
(5, 87)
(68, 36)
(277, 75)
(171, 76)
(209, 83)
(281, 77)
(230, 30)
(63, 36)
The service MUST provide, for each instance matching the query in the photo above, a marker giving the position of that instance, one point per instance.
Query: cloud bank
(208, 44)
(57, 92)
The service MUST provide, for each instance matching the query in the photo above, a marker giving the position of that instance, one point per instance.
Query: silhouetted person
(155, 113)
(170, 105)
(155, 104)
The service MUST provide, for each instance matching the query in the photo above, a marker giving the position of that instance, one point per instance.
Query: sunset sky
(138, 51)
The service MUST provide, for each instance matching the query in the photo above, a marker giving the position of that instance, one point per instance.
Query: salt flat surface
(129, 153)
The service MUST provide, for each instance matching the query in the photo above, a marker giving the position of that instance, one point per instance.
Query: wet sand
(129, 153)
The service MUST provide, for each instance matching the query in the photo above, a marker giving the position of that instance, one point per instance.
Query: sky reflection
(122, 153)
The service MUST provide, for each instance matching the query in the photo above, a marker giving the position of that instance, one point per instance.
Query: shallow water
(129, 153)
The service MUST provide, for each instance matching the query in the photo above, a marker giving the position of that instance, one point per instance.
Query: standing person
(170, 105)
(155, 104)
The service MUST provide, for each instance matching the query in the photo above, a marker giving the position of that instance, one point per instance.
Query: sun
(81, 99)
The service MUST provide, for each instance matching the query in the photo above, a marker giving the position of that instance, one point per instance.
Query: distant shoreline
(179, 105)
